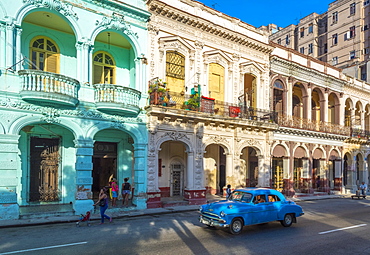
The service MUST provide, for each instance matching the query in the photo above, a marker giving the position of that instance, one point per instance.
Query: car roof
(260, 191)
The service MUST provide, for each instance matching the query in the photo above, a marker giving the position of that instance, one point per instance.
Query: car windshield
(240, 197)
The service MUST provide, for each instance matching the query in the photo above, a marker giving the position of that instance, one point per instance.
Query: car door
(260, 212)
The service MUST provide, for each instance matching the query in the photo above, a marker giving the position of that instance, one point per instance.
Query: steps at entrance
(174, 203)
(43, 211)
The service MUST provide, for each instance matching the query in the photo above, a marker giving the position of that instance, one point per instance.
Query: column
(307, 105)
(324, 176)
(289, 97)
(324, 106)
(10, 181)
(84, 180)
(140, 175)
(18, 53)
(362, 119)
(2, 46)
(338, 176)
(306, 176)
(9, 44)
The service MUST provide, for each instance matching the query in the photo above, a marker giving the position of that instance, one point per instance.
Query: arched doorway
(113, 157)
(215, 169)
(301, 178)
(45, 164)
(249, 162)
(172, 172)
(279, 156)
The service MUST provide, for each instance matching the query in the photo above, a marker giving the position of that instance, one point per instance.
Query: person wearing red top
(115, 189)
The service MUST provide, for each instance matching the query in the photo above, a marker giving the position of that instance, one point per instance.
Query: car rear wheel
(236, 226)
(287, 221)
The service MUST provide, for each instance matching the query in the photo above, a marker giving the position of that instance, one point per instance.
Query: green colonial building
(72, 90)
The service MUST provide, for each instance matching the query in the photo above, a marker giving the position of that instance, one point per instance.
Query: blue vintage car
(250, 206)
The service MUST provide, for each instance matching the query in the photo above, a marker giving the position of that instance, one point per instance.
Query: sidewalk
(127, 213)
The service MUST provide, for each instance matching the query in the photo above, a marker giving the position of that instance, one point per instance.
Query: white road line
(339, 229)
(43, 248)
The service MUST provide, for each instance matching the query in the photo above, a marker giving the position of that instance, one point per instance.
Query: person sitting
(271, 198)
(260, 199)
(363, 188)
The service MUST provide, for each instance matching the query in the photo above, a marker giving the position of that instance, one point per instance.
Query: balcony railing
(204, 105)
(117, 99)
(312, 125)
(360, 134)
(46, 87)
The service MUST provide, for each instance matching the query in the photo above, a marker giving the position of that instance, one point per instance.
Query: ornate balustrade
(204, 105)
(312, 125)
(45, 87)
(117, 99)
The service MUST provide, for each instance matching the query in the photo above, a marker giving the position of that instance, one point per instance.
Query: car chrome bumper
(212, 223)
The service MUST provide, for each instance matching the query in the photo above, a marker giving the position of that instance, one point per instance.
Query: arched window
(104, 68)
(175, 71)
(216, 81)
(44, 55)
(278, 97)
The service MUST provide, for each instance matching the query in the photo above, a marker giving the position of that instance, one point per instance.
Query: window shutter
(98, 74)
(51, 63)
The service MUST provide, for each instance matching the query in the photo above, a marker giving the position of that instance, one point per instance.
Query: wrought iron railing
(306, 124)
(40, 81)
(110, 93)
(209, 106)
(360, 134)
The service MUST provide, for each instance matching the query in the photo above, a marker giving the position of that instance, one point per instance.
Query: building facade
(339, 37)
(72, 76)
(183, 103)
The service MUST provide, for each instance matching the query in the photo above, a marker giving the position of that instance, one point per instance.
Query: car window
(273, 198)
(240, 196)
(259, 199)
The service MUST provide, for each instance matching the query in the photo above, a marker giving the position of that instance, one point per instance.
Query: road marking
(43, 248)
(339, 229)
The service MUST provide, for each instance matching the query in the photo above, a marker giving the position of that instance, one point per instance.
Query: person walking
(114, 187)
(126, 191)
(103, 203)
(228, 191)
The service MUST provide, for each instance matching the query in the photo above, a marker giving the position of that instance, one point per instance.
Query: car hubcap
(288, 219)
(237, 226)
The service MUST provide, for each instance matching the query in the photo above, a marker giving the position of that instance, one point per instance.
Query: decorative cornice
(306, 74)
(51, 115)
(116, 22)
(64, 8)
(123, 8)
(185, 18)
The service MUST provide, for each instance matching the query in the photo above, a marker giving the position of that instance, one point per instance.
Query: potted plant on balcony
(192, 103)
(156, 91)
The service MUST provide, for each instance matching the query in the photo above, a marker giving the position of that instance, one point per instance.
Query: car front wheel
(287, 221)
(236, 226)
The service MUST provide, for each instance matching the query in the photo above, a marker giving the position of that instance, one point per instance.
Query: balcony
(360, 135)
(48, 88)
(116, 99)
(312, 125)
(208, 107)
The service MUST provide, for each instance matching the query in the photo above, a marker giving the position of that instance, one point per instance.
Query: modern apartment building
(339, 36)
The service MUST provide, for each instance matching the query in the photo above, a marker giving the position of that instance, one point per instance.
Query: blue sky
(263, 12)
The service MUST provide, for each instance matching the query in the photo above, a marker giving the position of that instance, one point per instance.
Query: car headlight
(200, 208)
(222, 214)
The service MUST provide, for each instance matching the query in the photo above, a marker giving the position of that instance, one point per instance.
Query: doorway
(44, 169)
(104, 165)
(177, 182)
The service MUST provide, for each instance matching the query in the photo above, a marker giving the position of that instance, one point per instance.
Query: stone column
(84, 180)
(2, 46)
(18, 53)
(9, 43)
(324, 107)
(10, 180)
(140, 150)
(324, 176)
(338, 176)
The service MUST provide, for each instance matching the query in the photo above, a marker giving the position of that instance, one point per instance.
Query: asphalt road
(332, 226)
